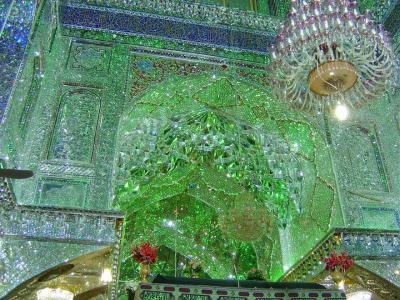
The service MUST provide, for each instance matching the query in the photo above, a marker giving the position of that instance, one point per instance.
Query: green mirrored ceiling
(202, 173)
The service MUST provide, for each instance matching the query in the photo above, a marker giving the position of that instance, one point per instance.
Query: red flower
(144, 253)
(341, 262)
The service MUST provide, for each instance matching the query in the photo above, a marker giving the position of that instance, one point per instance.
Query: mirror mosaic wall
(176, 131)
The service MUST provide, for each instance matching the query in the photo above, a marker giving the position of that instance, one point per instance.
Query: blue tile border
(143, 24)
(4, 9)
(13, 41)
(192, 10)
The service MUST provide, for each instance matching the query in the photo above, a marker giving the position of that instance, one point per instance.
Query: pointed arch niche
(190, 201)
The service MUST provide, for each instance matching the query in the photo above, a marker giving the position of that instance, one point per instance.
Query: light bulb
(341, 112)
(106, 276)
(341, 285)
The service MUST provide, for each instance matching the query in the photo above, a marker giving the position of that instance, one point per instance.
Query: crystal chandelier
(326, 52)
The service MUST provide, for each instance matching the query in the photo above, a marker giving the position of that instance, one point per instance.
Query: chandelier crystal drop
(327, 52)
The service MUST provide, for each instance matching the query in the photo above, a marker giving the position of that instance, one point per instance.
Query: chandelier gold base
(332, 77)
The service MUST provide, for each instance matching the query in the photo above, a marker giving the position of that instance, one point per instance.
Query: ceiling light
(106, 275)
(341, 285)
(54, 294)
(341, 112)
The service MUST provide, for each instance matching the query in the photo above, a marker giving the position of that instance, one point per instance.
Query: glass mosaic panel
(17, 264)
(76, 126)
(50, 235)
(187, 206)
(62, 193)
(32, 95)
(372, 244)
(378, 247)
(89, 58)
(388, 269)
(168, 94)
(360, 160)
(380, 217)
(6, 196)
(58, 225)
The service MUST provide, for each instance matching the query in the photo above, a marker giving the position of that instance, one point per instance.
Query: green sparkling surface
(182, 208)
(177, 197)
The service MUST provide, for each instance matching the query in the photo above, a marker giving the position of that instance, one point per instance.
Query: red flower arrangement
(338, 262)
(144, 253)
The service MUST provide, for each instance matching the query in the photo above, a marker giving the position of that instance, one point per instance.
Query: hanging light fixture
(327, 52)
(106, 275)
(341, 112)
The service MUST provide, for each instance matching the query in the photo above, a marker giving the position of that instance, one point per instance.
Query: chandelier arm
(367, 90)
(303, 104)
(379, 58)
(290, 88)
(385, 71)
(387, 61)
(371, 72)
(296, 97)
(361, 56)
(368, 58)
(357, 95)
